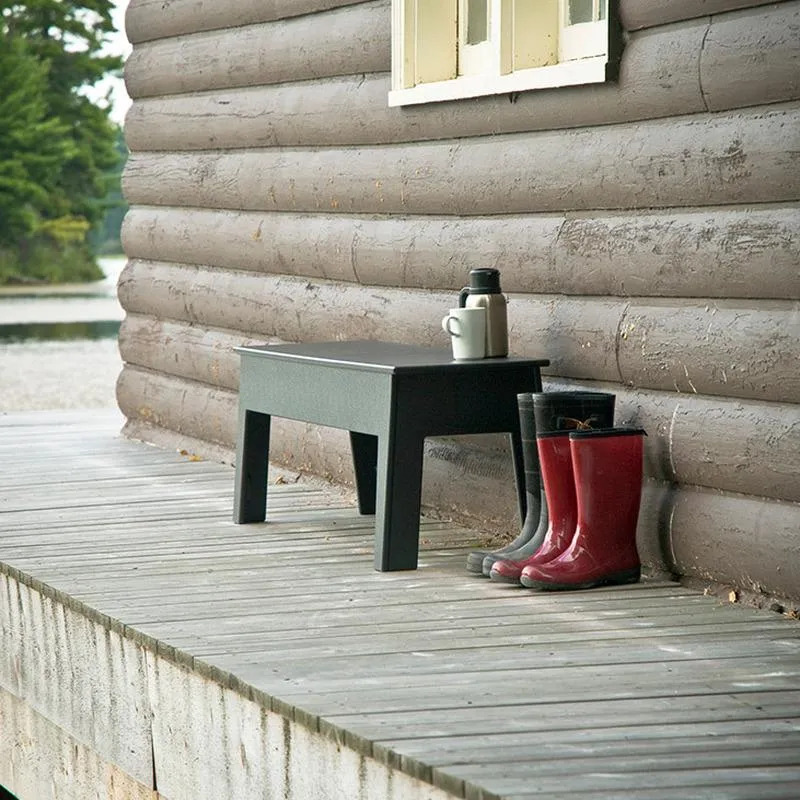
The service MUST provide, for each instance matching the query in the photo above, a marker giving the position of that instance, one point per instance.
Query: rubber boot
(608, 482)
(533, 487)
(556, 411)
(559, 487)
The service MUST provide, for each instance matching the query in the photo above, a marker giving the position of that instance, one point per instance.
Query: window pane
(477, 21)
(603, 11)
(580, 11)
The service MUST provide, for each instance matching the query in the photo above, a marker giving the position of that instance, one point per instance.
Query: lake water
(58, 344)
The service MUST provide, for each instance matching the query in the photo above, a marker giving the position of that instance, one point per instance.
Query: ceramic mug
(467, 330)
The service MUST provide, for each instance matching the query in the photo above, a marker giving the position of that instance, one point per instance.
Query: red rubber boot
(608, 480)
(559, 489)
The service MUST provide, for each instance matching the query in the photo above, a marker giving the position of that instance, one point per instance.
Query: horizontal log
(711, 441)
(729, 348)
(726, 252)
(352, 39)
(649, 13)
(743, 157)
(659, 77)
(186, 351)
(198, 410)
(353, 110)
(736, 540)
(736, 446)
(729, 538)
(702, 347)
(285, 308)
(155, 19)
(745, 349)
(740, 57)
(746, 541)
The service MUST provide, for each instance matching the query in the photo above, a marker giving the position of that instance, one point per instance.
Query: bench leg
(398, 502)
(365, 462)
(252, 463)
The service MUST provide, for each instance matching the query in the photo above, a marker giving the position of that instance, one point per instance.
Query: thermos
(484, 290)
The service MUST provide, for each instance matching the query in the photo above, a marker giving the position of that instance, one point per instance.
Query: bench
(389, 397)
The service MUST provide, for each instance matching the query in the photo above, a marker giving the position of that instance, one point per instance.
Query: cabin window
(450, 49)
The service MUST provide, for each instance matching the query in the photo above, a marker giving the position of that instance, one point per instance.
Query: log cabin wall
(646, 233)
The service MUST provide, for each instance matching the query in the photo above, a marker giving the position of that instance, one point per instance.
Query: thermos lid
(484, 280)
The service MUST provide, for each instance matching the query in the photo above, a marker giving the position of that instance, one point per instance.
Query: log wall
(647, 232)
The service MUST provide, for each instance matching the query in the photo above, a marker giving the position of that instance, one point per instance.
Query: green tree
(33, 148)
(66, 38)
(57, 148)
(105, 237)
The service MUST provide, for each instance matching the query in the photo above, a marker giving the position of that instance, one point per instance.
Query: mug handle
(447, 323)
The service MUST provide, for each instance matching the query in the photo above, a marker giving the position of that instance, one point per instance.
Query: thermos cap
(484, 280)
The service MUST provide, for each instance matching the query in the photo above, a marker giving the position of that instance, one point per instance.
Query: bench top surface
(384, 356)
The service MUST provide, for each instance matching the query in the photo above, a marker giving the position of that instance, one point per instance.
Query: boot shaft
(558, 411)
(527, 426)
(557, 476)
(607, 465)
(530, 460)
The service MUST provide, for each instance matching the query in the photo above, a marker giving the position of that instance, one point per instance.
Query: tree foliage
(105, 236)
(33, 148)
(56, 146)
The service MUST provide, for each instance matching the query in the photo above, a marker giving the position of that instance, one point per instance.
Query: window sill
(567, 73)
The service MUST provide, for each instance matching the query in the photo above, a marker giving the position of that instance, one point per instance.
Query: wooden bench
(389, 397)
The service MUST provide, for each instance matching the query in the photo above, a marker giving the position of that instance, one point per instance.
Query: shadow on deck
(151, 648)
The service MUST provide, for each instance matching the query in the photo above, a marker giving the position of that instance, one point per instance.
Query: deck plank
(652, 690)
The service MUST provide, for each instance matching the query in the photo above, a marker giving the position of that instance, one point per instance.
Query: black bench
(389, 397)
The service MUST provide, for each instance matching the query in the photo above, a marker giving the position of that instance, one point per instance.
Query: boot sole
(496, 578)
(616, 579)
(492, 561)
(475, 564)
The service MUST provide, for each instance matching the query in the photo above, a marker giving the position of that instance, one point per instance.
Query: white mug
(467, 329)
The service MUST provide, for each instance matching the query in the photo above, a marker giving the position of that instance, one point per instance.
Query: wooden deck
(480, 690)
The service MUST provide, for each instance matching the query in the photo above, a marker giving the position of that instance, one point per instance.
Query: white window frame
(583, 40)
(425, 67)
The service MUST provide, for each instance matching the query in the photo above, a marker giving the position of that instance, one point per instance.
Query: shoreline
(111, 265)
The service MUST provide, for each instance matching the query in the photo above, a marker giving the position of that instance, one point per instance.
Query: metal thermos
(484, 290)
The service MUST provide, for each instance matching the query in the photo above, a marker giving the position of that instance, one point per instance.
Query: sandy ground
(39, 376)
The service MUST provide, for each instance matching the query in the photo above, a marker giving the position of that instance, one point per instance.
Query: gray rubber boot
(533, 488)
(556, 411)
